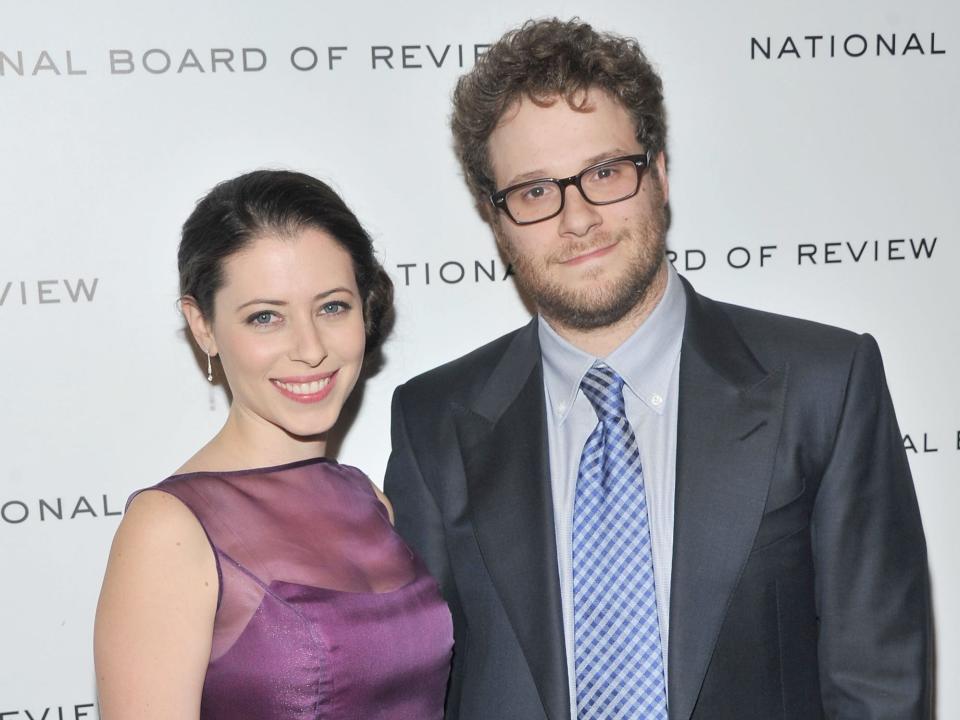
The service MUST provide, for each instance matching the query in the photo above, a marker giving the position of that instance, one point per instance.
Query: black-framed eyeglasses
(605, 183)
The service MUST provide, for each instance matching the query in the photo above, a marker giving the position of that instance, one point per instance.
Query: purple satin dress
(324, 612)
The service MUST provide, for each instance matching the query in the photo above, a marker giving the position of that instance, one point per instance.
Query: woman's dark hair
(278, 202)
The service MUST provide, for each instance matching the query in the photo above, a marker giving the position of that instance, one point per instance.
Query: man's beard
(608, 302)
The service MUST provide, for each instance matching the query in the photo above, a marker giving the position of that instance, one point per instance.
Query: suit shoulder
(774, 337)
(823, 361)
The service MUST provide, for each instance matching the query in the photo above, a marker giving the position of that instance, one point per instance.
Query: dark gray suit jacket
(799, 587)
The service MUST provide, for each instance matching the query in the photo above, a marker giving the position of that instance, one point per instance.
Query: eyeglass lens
(605, 183)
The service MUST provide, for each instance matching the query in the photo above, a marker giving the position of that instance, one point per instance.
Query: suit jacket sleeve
(872, 584)
(418, 518)
(419, 521)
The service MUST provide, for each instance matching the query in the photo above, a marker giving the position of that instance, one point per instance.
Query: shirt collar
(645, 360)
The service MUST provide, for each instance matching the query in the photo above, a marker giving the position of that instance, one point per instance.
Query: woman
(264, 580)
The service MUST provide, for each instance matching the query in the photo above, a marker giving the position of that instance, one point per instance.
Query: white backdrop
(836, 154)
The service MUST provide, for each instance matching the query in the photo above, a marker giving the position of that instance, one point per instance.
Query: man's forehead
(538, 137)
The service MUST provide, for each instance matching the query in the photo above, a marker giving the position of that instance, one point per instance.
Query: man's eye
(535, 192)
(605, 173)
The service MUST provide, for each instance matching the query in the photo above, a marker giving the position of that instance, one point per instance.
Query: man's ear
(661, 164)
(199, 325)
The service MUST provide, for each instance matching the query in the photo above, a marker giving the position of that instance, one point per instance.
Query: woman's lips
(306, 389)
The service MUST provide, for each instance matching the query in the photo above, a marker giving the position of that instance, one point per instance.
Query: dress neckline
(270, 468)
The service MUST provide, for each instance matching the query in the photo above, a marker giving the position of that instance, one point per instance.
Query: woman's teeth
(310, 388)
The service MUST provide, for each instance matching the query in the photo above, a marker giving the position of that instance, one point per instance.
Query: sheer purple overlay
(324, 612)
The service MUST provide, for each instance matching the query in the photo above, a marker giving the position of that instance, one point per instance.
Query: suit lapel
(503, 440)
(730, 412)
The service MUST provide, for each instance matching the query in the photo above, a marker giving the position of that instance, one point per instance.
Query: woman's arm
(155, 616)
(385, 500)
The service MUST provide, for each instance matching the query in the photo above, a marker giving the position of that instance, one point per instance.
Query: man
(647, 504)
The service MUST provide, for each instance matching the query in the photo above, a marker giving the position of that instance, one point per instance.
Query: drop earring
(209, 369)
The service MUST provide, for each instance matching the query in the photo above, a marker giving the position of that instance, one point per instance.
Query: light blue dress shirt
(649, 363)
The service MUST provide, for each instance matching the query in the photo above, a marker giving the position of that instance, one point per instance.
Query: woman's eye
(265, 317)
(333, 308)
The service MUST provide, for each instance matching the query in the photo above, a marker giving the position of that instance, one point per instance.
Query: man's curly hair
(544, 60)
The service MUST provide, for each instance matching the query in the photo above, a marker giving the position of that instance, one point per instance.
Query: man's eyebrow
(532, 175)
(608, 155)
(541, 174)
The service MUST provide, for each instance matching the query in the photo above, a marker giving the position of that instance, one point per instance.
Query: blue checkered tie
(616, 628)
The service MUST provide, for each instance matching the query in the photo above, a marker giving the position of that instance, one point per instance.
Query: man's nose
(578, 216)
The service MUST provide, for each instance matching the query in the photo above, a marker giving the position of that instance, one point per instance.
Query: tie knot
(604, 389)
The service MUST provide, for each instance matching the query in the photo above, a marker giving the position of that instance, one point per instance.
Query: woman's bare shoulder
(155, 616)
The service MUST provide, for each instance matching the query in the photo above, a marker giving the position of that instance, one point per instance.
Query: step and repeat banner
(814, 167)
